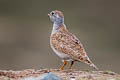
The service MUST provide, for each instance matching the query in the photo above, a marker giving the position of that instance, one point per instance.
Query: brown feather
(59, 13)
(67, 43)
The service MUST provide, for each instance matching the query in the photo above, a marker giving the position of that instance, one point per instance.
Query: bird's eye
(52, 13)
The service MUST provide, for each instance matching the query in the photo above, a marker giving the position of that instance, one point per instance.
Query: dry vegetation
(65, 74)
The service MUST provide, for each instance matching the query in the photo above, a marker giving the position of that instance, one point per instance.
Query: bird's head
(56, 17)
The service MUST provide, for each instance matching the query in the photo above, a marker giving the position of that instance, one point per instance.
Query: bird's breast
(60, 54)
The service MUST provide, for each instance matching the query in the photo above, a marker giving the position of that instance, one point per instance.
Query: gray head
(56, 17)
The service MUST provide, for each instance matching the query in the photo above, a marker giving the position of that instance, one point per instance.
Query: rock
(51, 76)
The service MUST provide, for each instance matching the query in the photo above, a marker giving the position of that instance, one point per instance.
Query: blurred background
(25, 30)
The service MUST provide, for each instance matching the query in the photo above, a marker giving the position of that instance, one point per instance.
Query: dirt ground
(65, 74)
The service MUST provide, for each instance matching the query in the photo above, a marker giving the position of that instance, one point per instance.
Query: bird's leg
(62, 67)
(71, 63)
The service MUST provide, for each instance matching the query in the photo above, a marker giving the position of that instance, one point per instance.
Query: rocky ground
(31, 74)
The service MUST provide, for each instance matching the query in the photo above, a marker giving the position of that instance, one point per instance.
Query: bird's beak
(49, 15)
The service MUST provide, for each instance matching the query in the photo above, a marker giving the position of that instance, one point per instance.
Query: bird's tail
(91, 64)
(95, 67)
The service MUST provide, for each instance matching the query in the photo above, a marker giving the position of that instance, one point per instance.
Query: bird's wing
(67, 43)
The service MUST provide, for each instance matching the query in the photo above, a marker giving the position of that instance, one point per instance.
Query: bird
(65, 44)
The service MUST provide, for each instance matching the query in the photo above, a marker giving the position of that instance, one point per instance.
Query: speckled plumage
(66, 45)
